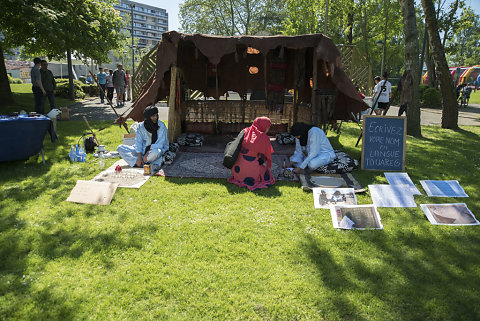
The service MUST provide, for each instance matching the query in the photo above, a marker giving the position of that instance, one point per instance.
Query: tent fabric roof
(214, 48)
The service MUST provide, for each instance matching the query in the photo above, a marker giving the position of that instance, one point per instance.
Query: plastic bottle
(101, 156)
(71, 154)
(81, 153)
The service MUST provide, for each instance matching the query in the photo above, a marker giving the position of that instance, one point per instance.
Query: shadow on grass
(17, 285)
(407, 276)
(233, 189)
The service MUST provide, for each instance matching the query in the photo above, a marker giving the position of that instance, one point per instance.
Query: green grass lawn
(23, 97)
(204, 249)
(475, 97)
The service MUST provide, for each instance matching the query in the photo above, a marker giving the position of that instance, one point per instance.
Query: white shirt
(384, 94)
(317, 143)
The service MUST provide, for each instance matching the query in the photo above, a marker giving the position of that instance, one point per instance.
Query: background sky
(172, 9)
(174, 24)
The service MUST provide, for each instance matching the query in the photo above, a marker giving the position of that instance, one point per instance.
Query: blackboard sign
(383, 143)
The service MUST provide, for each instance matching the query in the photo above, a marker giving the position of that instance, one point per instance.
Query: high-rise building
(149, 22)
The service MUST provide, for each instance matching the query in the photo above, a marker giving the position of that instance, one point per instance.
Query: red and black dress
(252, 168)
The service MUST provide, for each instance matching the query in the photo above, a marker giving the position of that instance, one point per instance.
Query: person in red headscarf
(252, 168)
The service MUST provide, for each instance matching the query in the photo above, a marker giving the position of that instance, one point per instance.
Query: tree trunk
(411, 64)
(70, 75)
(386, 4)
(364, 29)
(431, 75)
(350, 23)
(5, 91)
(450, 107)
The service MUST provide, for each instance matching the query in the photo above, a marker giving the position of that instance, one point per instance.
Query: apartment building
(149, 22)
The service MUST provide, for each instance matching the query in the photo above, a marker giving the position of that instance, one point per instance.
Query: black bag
(89, 144)
(232, 150)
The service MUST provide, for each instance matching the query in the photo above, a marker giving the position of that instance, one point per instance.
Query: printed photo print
(359, 217)
(324, 197)
(449, 214)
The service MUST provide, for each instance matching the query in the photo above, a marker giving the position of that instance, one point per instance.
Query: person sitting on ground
(252, 168)
(151, 142)
(312, 148)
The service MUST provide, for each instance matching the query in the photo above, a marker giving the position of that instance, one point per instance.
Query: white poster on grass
(324, 197)
(449, 214)
(443, 188)
(402, 179)
(358, 217)
(392, 196)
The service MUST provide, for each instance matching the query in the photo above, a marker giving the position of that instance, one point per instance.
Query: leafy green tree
(464, 47)
(231, 17)
(85, 28)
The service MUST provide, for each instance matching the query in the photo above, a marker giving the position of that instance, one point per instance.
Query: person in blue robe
(151, 142)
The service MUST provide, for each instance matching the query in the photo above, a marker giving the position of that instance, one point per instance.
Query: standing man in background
(120, 83)
(129, 87)
(49, 84)
(382, 89)
(110, 86)
(102, 81)
(37, 86)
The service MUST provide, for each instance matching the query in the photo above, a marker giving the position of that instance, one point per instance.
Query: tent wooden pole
(295, 88)
(174, 121)
(314, 88)
(266, 80)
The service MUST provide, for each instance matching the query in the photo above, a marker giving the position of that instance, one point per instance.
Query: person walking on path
(109, 82)
(49, 84)
(129, 87)
(102, 81)
(382, 89)
(37, 86)
(120, 83)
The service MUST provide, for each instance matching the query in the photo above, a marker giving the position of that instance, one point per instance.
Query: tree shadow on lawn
(411, 275)
(233, 189)
(26, 249)
(17, 287)
(444, 157)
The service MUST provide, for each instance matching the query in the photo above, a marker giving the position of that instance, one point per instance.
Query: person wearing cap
(151, 142)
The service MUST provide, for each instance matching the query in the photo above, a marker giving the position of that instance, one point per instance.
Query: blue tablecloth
(22, 136)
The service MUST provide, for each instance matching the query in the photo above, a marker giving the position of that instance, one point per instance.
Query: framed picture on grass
(358, 217)
(324, 197)
(449, 214)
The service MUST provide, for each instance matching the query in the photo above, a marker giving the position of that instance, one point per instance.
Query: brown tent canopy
(264, 67)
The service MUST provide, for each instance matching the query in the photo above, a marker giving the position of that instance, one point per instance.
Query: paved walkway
(92, 109)
(469, 116)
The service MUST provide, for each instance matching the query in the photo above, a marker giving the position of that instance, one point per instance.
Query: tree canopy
(88, 28)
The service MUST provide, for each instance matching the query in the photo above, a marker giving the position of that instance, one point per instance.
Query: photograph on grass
(324, 197)
(402, 179)
(449, 214)
(443, 188)
(392, 196)
(358, 217)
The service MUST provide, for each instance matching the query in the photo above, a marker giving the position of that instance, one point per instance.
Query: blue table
(22, 136)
